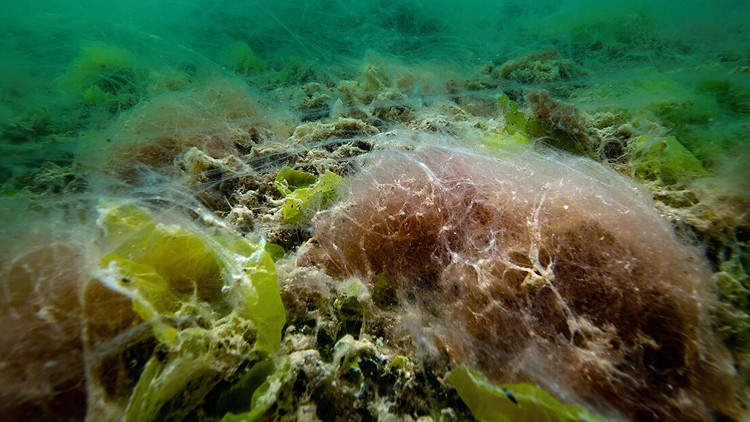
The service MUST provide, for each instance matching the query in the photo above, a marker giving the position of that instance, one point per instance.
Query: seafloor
(384, 210)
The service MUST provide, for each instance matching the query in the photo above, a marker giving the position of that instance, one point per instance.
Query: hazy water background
(82, 81)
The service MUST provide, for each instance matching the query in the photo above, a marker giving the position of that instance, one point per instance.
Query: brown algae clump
(539, 268)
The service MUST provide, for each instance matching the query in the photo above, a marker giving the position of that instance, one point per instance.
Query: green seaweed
(512, 402)
(276, 251)
(350, 304)
(516, 122)
(732, 96)
(305, 194)
(288, 180)
(286, 71)
(494, 141)
(104, 76)
(680, 113)
(186, 375)
(241, 59)
(734, 287)
(664, 159)
(212, 303)
(235, 398)
(517, 132)
(254, 393)
(347, 354)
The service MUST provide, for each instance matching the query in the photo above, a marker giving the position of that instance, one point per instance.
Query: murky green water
(317, 210)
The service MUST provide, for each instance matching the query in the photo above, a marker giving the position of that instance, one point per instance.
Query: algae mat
(375, 210)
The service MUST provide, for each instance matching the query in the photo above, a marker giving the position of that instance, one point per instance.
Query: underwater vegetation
(583, 291)
(104, 76)
(165, 315)
(375, 210)
(512, 402)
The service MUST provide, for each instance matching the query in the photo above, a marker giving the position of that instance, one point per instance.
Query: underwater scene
(375, 210)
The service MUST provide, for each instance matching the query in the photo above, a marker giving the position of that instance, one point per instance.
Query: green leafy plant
(305, 194)
(212, 303)
(512, 402)
(515, 120)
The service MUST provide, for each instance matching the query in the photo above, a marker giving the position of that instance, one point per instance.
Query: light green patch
(516, 132)
(241, 59)
(212, 302)
(104, 76)
(493, 140)
(305, 193)
(512, 402)
(664, 159)
(288, 180)
(517, 124)
(400, 363)
(277, 252)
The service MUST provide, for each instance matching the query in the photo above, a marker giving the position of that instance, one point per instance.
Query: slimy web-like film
(374, 210)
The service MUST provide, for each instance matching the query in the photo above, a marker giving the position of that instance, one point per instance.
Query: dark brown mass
(539, 268)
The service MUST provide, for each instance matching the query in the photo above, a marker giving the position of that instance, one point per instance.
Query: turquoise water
(328, 210)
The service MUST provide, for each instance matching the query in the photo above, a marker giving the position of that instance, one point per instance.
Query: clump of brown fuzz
(539, 268)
